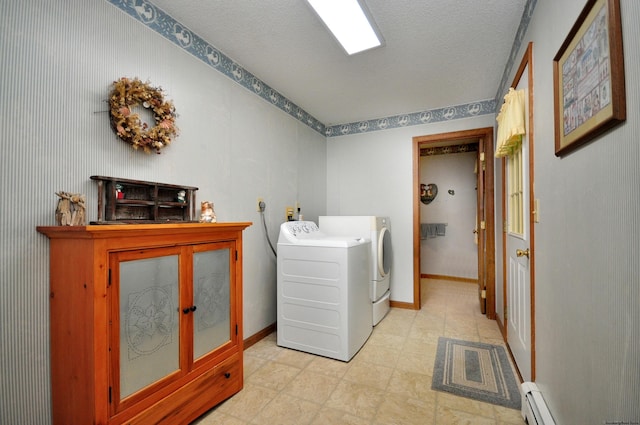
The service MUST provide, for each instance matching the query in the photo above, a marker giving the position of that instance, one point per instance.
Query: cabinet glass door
(211, 296)
(149, 321)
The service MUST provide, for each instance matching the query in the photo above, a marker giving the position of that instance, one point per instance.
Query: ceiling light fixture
(349, 22)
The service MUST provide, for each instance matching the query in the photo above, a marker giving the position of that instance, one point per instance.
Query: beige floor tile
(505, 415)
(219, 418)
(287, 410)
(464, 404)
(400, 314)
(374, 375)
(273, 375)
(386, 340)
(420, 345)
(461, 319)
(411, 385)
(435, 305)
(399, 410)
(425, 335)
(387, 382)
(248, 402)
(416, 362)
(251, 364)
(463, 334)
(487, 335)
(328, 416)
(494, 341)
(429, 320)
(327, 366)
(266, 348)
(293, 358)
(356, 399)
(312, 386)
(378, 355)
(448, 416)
(397, 322)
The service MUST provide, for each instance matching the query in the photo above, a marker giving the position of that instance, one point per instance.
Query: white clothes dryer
(322, 291)
(379, 230)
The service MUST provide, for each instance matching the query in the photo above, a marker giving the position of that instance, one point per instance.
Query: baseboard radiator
(534, 409)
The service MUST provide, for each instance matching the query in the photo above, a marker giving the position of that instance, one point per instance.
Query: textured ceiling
(437, 52)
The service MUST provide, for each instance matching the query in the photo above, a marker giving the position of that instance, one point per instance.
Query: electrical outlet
(260, 207)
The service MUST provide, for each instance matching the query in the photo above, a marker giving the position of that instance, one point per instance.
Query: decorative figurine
(119, 192)
(182, 196)
(71, 209)
(207, 215)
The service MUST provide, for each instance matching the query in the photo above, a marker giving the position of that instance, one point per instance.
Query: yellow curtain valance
(511, 125)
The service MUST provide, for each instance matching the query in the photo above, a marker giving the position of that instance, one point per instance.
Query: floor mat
(475, 370)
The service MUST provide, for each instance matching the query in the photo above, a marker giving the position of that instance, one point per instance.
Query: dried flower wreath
(129, 93)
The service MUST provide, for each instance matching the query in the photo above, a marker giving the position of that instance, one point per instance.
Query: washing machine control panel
(301, 228)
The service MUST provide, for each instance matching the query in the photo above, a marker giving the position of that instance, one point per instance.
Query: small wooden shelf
(137, 201)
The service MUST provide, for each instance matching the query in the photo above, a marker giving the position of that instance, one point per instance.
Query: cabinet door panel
(149, 321)
(211, 293)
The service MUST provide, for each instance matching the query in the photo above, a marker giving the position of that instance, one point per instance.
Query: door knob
(522, 253)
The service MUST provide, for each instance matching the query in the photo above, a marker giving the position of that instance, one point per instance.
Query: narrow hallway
(387, 382)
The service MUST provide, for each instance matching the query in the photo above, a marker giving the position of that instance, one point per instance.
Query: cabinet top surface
(141, 182)
(112, 230)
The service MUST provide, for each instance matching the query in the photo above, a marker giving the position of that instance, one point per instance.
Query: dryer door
(384, 252)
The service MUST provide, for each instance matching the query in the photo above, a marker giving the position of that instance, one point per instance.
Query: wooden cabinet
(138, 201)
(146, 321)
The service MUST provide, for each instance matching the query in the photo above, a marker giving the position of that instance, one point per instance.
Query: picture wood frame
(588, 77)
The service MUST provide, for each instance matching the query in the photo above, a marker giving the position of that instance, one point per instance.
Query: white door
(518, 253)
(518, 272)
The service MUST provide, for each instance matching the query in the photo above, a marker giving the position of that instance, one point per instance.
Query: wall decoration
(128, 94)
(428, 193)
(588, 77)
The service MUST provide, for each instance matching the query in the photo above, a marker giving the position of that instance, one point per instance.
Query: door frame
(483, 136)
(525, 63)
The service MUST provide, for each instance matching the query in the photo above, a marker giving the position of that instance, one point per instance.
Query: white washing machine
(322, 291)
(379, 230)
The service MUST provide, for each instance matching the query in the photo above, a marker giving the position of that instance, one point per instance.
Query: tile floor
(387, 382)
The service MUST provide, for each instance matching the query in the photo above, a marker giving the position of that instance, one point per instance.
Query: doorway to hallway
(483, 137)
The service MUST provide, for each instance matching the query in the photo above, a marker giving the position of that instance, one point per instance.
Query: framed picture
(588, 77)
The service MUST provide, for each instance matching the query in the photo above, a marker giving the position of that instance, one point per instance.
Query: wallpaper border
(446, 113)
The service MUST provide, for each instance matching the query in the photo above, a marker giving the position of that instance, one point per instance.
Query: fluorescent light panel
(349, 24)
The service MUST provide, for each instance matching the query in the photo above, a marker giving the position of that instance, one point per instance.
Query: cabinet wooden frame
(81, 366)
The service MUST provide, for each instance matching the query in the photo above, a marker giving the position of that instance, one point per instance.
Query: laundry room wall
(455, 254)
(58, 60)
(371, 174)
(587, 320)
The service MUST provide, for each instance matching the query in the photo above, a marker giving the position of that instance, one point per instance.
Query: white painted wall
(371, 174)
(456, 253)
